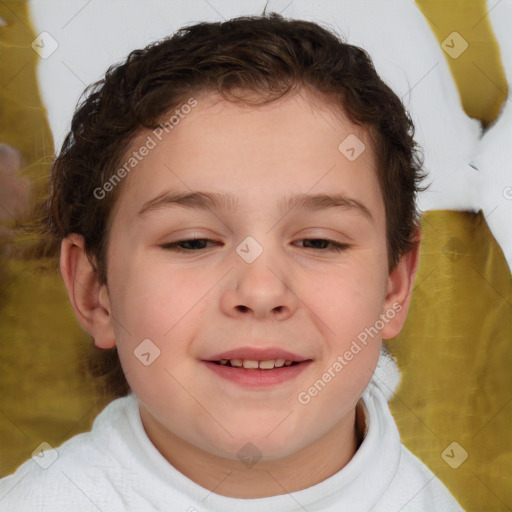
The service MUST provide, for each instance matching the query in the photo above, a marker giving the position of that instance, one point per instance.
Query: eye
(195, 244)
(335, 246)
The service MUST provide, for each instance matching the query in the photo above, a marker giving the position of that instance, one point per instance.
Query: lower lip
(255, 378)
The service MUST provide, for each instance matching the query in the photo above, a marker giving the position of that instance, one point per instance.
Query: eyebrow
(222, 201)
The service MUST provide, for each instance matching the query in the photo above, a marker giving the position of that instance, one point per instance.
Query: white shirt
(115, 467)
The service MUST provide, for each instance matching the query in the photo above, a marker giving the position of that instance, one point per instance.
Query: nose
(261, 288)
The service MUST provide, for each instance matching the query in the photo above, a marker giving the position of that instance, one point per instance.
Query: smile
(248, 373)
(252, 364)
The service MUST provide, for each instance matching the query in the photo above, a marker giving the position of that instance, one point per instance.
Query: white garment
(115, 467)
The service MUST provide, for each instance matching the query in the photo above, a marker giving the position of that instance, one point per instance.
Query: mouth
(257, 374)
(252, 364)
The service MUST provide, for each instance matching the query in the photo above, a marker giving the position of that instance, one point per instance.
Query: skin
(303, 297)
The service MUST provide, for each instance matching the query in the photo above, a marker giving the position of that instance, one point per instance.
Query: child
(247, 358)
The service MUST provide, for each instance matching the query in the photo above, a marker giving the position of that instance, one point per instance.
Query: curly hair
(250, 59)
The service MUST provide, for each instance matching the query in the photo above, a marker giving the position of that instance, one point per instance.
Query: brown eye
(195, 243)
(335, 246)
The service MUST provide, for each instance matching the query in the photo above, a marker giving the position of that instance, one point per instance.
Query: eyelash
(336, 246)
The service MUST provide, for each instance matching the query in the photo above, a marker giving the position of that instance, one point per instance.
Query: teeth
(252, 364)
(248, 363)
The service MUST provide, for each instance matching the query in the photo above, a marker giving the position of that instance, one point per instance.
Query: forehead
(301, 144)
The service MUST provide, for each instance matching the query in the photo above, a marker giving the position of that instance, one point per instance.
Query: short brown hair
(267, 56)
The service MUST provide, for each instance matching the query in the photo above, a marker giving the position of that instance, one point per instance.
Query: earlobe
(89, 298)
(399, 290)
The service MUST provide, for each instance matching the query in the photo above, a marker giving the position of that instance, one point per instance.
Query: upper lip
(258, 354)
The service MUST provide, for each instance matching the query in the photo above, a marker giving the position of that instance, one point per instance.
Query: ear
(399, 289)
(90, 299)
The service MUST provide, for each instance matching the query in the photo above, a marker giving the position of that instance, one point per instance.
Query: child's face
(299, 295)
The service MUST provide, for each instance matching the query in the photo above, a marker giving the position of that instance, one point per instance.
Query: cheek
(347, 304)
(160, 303)
(342, 381)
(351, 294)
(149, 298)
(347, 308)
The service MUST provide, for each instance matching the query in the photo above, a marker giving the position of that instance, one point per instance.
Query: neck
(227, 477)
